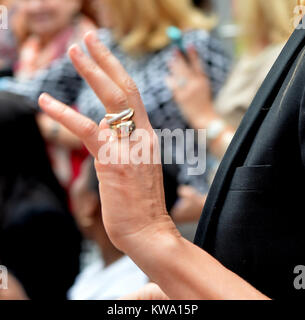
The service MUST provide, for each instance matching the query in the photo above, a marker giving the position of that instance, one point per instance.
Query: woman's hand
(132, 195)
(192, 92)
(191, 89)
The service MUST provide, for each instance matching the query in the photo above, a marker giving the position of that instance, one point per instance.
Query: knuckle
(106, 54)
(103, 55)
(130, 86)
(118, 99)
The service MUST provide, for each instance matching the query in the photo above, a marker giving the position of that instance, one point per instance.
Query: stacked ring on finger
(121, 123)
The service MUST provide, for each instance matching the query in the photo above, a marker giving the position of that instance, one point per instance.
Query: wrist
(203, 121)
(156, 237)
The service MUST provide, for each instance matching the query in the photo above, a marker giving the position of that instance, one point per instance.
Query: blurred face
(105, 13)
(47, 17)
(234, 8)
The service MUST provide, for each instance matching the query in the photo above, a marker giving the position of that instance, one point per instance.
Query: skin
(105, 13)
(15, 290)
(149, 292)
(46, 18)
(132, 196)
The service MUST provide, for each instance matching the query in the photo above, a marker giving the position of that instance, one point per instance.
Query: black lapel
(239, 147)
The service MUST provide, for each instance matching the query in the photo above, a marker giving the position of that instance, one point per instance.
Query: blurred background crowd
(52, 238)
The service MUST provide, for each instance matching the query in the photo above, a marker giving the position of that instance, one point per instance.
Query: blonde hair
(140, 25)
(265, 21)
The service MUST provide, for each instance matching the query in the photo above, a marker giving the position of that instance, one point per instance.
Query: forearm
(184, 271)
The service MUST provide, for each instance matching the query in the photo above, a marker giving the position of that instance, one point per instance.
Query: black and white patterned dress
(149, 72)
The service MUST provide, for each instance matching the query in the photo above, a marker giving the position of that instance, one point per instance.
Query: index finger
(114, 98)
(113, 68)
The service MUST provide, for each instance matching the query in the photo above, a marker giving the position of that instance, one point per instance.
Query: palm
(132, 195)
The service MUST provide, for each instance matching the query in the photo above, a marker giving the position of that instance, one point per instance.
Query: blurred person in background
(39, 241)
(265, 27)
(48, 28)
(110, 274)
(136, 32)
(8, 37)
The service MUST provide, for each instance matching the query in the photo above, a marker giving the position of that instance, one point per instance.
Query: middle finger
(112, 97)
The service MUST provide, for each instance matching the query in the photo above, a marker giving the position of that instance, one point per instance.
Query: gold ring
(121, 123)
(125, 115)
(123, 129)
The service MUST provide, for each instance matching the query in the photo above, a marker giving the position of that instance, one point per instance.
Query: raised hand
(132, 195)
(191, 88)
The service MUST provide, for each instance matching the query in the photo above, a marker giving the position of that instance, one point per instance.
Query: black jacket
(254, 218)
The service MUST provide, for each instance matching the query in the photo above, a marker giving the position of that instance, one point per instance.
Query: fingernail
(91, 36)
(75, 50)
(45, 98)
